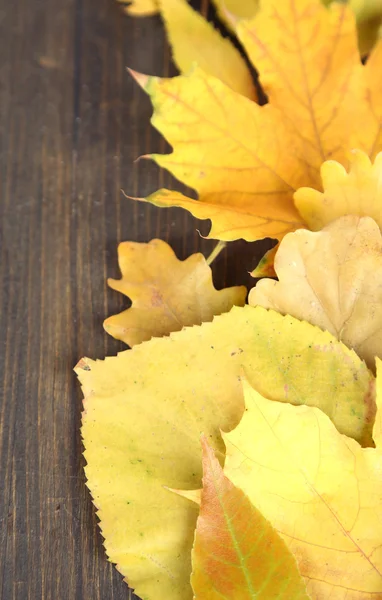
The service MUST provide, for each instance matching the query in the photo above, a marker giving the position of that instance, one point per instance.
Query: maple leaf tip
(143, 157)
(140, 78)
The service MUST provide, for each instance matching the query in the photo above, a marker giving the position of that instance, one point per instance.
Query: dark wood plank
(71, 125)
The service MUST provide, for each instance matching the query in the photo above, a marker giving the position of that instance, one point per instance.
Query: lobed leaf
(230, 150)
(195, 41)
(167, 294)
(357, 192)
(332, 279)
(245, 161)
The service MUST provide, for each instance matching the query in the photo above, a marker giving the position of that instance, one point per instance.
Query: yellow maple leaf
(333, 279)
(368, 14)
(244, 160)
(228, 149)
(356, 192)
(236, 553)
(195, 41)
(144, 411)
(320, 490)
(166, 293)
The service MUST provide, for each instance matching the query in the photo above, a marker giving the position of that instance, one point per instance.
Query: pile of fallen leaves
(235, 452)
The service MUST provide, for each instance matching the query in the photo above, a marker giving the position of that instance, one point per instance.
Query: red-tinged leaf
(237, 554)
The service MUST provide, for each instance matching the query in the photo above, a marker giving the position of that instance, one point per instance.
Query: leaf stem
(216, 251)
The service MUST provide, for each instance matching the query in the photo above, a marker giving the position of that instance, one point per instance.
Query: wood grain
(71, 125)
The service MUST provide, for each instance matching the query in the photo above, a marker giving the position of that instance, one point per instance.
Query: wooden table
(71, 124)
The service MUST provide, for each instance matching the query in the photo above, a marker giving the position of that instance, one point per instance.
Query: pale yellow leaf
(357, 192)
(195, 41)
(320, 490)
(333, 279)
(145, 409)
(167, 294)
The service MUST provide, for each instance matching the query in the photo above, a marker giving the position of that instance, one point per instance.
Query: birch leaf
(320, 490)
(332, 279)
(167, 294)
(145, 409)
(237, 554)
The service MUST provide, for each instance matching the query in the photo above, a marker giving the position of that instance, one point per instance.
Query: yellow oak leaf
(332, 279)
(167, 294)
(237, 554)
(195, 41)
(357, 192)
(245, 161)
(145, 409)
(320, 490)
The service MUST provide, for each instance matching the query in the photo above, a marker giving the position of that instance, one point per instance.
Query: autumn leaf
(166, 293)
(320, 490)
(144, 411)
(371, 118)
(245, 161)
(369, 20)
(195, 41)
(367, 12)
(309, 66)
(237, 553)
(265, 267)
(332, 279)
(356, 192)
(232, 10)
(228, 149)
